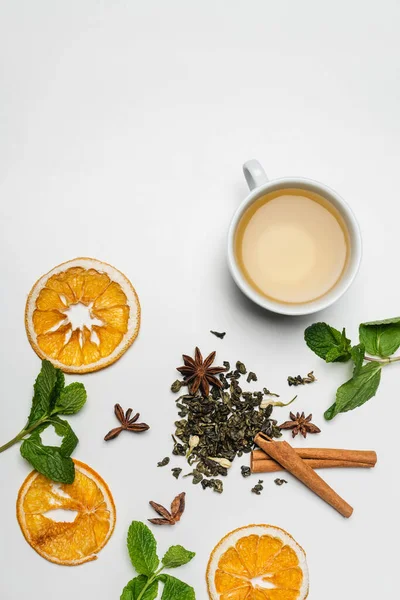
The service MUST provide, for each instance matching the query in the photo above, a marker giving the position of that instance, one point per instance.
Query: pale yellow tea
(292, 246)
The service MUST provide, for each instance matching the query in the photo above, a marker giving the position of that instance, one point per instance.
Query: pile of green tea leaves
(214, 430)
(51, 398)
(377, 338)
(142, 548)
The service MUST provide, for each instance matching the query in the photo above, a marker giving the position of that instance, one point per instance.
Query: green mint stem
(383, 361)
(149, 582)
(22, 434)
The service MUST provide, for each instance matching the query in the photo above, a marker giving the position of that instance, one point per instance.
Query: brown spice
(167, 517)
(127, 423)
(300, 424)
(199, 374)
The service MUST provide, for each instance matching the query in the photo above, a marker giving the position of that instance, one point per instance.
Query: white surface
(124, 126)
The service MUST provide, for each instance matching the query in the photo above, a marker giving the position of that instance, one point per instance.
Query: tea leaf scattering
(280, 481)
(258, 488)
(378, 338)
(51, 398)
(246, 471)
(127, 423)
(298, 380)
(164, 462)
(299, 423)
(213, 429)
(176, 471)
(219, 334)
(169, 517)
(142, 548)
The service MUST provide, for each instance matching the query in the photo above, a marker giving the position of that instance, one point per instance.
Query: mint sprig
(379, 338)
(142, 548)
(51, 398)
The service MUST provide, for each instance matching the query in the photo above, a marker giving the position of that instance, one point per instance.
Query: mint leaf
(132, 590)
(64, 429)
(176, 556)
(357, 390)
(381, 338)
(327, 342)
(357, 355)
(71, 399)
(44, 387)
(48, 460)
(142, 548)
(175, 588)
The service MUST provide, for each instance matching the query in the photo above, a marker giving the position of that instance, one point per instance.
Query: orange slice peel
(257, 562)
(67, 543)
(110, 301)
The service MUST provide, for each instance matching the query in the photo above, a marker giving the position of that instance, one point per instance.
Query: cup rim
(345, 280)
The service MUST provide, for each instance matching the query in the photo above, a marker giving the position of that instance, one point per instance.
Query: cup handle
(254, 174)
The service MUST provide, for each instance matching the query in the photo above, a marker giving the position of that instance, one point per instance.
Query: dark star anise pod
(167, 517)
(199, 374)
(127, 423)
(300, 424)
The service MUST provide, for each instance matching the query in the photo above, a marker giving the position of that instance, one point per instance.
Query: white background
(123, 128)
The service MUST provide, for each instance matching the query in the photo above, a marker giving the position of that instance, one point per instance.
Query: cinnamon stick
(285, 455)
(363, 456)
(271, 466)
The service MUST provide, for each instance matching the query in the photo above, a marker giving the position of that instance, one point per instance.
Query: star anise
(127, 423)
(169, 518)
(199, 374)
(300, 424)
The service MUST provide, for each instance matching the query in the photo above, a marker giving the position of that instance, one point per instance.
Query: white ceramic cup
(259, 186)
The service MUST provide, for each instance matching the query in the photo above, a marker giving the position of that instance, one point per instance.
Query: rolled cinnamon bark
(271, 466)
(362, 456)
(285, 455)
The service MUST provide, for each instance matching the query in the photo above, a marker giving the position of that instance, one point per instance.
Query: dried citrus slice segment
(66, 543)
(44, 320)
(112, 296)
(71, 353)
(90, 349)
(52, 343)
(117, 317)
(109, 339)
(257, 562)
(112, 313)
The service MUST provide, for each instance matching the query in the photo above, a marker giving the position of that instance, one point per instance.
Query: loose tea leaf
(280, 481)
(258, 488)
(163, 462)
(299, 423)
(298, 380)
(169, 517)
(251, 377)
(176, 471)
(176, 386)
(214, 484)
(213, 430)
(218, 334)
(246, 471)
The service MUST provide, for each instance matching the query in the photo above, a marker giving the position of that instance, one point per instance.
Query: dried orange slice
(257, 562)
(62, 542)
(109, 302)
